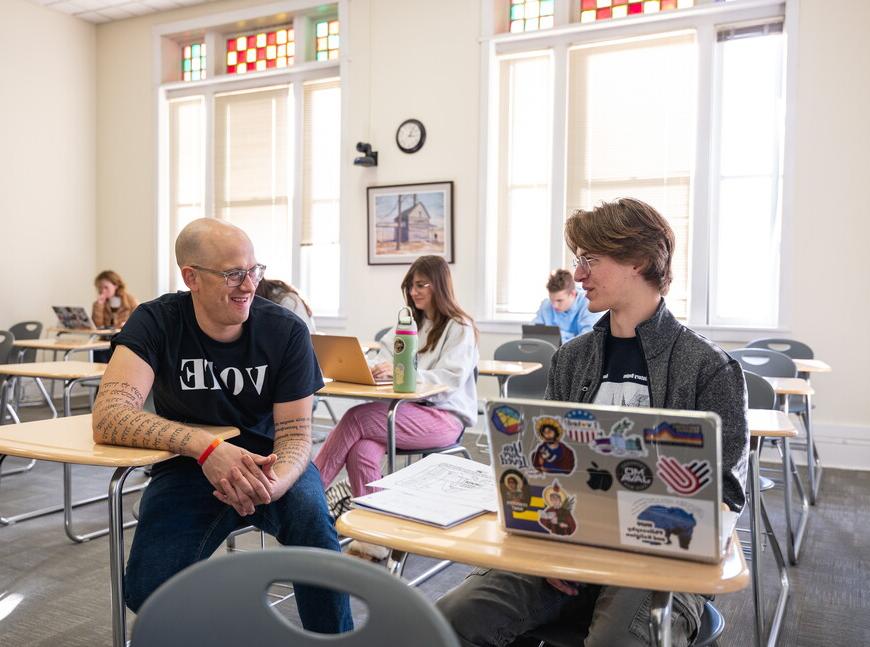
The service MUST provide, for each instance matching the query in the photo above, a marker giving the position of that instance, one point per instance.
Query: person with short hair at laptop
(218, 355)
(566, 307)
(638, 354)
(447, 354)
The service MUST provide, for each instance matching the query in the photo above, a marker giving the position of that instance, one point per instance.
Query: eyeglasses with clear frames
(584, 263)
(234, 278)
(420, 285)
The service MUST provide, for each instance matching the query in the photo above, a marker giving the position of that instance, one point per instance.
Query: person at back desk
(566, 307)
(638, 354)
(218, 355)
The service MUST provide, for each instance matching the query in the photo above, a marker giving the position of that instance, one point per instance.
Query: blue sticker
(676, 433)
(507, 420)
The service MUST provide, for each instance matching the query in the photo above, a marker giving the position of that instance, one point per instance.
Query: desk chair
(566, 633)
(791, 347)
(25, 330)
(222, 602)
(527, 350)
(6, 353)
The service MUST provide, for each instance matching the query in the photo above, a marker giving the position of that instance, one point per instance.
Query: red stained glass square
(261, 53)
(588, 4)
(619, 2)
(271, 63)
(272, 37)
(669, 4)
(231, 69)
(603, 14)
(635, 7)
(231, 45)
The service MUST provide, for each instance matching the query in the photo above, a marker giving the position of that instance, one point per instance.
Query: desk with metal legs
(366, 392)
(505, 370)
(482, 542)
(70, 441)
(767, 423)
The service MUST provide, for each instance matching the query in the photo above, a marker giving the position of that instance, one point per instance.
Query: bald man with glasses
(218, 355)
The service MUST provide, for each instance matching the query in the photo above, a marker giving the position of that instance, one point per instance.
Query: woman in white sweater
(287, 296)
(447, 354)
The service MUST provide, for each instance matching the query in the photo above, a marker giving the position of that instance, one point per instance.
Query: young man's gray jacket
(686, 371)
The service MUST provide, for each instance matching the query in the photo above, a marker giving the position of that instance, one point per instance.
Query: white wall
(47, 131)
(421, 59)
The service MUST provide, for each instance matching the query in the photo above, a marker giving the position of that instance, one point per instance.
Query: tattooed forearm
(119, 420)
(292, 445)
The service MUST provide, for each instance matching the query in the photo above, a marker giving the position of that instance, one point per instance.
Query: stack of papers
(441, 490)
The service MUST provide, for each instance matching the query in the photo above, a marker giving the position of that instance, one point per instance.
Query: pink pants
(360, 440)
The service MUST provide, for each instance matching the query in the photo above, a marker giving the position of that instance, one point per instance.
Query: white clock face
(409, 135)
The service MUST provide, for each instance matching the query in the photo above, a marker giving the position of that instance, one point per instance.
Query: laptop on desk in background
(638, 479)
(550, 334)
(73, 317)
(341, 358)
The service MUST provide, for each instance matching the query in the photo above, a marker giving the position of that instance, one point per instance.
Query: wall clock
(411, 135)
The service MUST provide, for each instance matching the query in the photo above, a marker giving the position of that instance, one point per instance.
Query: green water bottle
(405, 353)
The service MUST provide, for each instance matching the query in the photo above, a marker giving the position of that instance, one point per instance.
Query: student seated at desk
(566, 307)
(637, 354)
(447, 354)
(218, 356)
(114, 304)
(286, 296)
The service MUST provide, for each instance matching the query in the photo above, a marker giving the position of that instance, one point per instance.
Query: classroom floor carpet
(54, 592)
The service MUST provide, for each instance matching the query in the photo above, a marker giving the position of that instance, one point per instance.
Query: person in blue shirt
(566, 307)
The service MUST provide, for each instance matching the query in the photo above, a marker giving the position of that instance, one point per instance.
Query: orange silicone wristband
(208, 450)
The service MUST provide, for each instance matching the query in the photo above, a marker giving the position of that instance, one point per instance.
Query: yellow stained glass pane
(251, 55)
(601, 4)
(620, 11)
(242, 68)
(291, 49)
(281, 36)
(333, 55)
(241, 43)
(532, 10)
(261, 65)
(282, 61)
(282, 51)
(685, 4)
(321, 44)
(651, 6)
(271, 51)
(261, 40)
(232, 58)
(587, 16)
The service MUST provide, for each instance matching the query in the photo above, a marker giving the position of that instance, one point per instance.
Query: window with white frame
(259, 148)
(685, 111)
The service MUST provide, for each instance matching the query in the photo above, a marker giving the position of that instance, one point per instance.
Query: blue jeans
(181, 522)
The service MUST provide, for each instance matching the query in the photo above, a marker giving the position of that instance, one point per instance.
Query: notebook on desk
(73, 317)
(645, 480)
(550, 334)
(342, 359)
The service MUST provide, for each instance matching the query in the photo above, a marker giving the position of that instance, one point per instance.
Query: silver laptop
(74, 317)
(342, 359)
(550, 334)
(645, 480)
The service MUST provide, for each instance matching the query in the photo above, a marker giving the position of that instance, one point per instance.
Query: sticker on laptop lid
(582, 427)
(675, 433)
(507, 420)
(619, 442)
(557, 517)
(515, 491)
(512, 454)
(666, 523)
(599, 478)
(552, 456)
(634, 475)
(685, 479)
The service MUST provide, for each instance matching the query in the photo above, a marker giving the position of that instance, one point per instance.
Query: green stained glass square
(517, 12)
(194, 50)
(333, 42)
(187, 65)
(322, 56)
(547, 7)
(322, 29)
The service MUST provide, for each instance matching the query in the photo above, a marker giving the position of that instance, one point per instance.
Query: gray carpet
(54, 592)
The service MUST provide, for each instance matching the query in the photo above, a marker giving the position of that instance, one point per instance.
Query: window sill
(331, 321)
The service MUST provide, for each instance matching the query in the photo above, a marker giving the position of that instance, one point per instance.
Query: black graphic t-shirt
(202, 381)
(624, 379)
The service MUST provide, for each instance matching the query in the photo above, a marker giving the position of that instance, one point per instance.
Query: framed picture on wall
(410, 220)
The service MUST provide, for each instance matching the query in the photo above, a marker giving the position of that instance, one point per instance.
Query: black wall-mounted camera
(369, 157)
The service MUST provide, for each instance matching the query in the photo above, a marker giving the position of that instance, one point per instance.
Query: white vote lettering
(237, 379)
(198, 375)
(192, 368)
(261, 376)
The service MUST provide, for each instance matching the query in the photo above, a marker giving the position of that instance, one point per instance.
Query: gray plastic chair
(527, 350)
(6, 340)
(383, 331)
(764, 362)
(791, 347)
(222, 602)
(761, 394)
(27, 330)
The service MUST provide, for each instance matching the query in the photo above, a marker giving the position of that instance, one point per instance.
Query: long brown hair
(275, 290)
(120, 287)
(437, 272)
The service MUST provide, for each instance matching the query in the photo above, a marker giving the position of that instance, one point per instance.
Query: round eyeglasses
(234, 278)
(583, 263)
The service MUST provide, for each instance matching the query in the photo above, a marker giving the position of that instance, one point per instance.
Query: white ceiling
(98, 11)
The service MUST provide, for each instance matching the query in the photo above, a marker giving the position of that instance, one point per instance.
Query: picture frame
(406, 221)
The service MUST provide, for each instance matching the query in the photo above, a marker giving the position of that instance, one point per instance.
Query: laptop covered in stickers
(632, 478)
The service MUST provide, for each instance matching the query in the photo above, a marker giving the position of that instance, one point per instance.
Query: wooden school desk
(504, 371)
(70, 373)
(60, 345)
(70, 441)
(385, 392)
(482, 542)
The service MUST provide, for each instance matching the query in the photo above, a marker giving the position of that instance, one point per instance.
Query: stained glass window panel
(595, 10)
(193, 62)
(326, 40)
(260, 51)
(531, 15)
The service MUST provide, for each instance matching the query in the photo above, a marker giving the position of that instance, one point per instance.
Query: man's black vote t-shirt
(202, 381)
